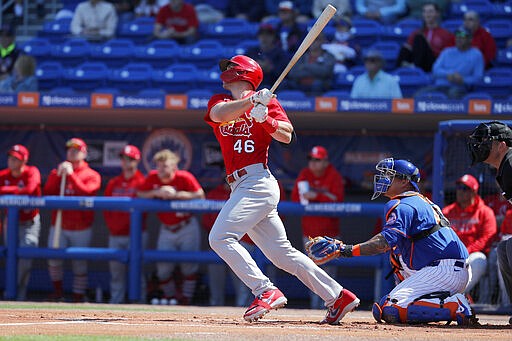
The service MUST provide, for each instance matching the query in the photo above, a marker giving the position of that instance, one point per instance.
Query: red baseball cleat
(272, 299)
(345, 303)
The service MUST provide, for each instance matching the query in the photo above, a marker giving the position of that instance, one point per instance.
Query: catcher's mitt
(323, 249)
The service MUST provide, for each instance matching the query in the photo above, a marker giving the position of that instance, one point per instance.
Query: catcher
(430, 260)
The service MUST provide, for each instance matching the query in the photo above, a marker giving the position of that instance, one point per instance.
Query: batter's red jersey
(28, 183)
(84, 181)
(118, 222)
(182, 181)
(475, 225)
(243, 141)
(331, 181)
(181, 20)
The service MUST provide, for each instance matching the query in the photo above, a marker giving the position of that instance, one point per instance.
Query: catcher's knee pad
(422, 312)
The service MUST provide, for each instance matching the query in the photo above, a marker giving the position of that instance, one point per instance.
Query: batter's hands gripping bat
(319, 25)
(58, 218)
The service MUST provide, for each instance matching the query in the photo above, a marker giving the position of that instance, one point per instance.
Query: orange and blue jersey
(410, 214)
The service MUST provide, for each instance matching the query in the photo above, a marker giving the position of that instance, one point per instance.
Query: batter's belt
(176, 227)
(244, 171)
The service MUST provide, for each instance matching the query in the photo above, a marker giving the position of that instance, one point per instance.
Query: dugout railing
(135, 256)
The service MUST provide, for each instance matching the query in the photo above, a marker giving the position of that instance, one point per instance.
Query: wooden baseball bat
(58, 218)
(319, 25)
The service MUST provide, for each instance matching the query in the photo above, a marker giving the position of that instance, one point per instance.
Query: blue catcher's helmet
(388, 169)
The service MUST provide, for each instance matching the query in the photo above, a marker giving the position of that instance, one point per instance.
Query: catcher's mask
(244, 69)
(480, 140)
(388, 169)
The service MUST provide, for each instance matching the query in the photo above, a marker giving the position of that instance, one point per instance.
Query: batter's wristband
(270, 125)
(356, 250)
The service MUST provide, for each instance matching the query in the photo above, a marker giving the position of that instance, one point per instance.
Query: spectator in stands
(343, 7)
(253, 11)
(217, 272)
(375, 83)
(19, 178)
(385, 11)
(94, 20)
(124, 9)
(118, 222)
(177, 20)
(147, 8)
(343, 46)
(23, 76)
(314, 71)
(474, 223)
(458, 68)
(482, 39)
(415, 7)
(289, 30)
(319, 182)
(425, 44)
(80, 180)
(269, 54)
(8, 50)
(302, 8)
(179, 231)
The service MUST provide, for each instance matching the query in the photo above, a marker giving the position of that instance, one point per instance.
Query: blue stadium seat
(451, 24)
(62, 91)
(221, 5)
(504, 57)
(291, 95)
(241, 48)
(503, 10)
(87, 76)
(500, 29)
(204, 54)
(144, 20)
(389, 51)
(72, 52)
(484, 8)
(49, 75)
(432, 95)
(345, 80)
(366, 31)
(400, 31)
(337, 93)
(56, 31)
(177, 78)
(477, 95)
(105, 90)
(411, 79)
(39, 48)
(114, 53)
(210, 80)
(496, 82)
(131, 78)
(138, 32)
(152, 92)
(158, 53)
(229, 30)
(199, 93)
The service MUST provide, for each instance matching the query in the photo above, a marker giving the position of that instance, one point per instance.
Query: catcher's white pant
(252, 209)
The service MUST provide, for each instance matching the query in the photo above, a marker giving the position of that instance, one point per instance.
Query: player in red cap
(81, 180)
(244, 123)
(475, 224)
(319, 182)
(22, 179)
(118, 222)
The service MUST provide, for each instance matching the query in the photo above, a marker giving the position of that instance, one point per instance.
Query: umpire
(491, 143)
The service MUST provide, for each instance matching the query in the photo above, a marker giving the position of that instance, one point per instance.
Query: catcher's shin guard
(377, 308)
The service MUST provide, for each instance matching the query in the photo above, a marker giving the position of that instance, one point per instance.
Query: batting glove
(259, 113)
(263, 96)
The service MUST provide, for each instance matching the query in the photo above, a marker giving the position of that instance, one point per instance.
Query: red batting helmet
(244, 69)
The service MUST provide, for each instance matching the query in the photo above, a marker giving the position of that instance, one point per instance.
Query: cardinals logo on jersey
(239, 127)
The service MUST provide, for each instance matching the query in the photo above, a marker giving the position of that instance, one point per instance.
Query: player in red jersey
(81, 180)
(179, 231)
(21, 179)
(244, 123)
(118, 222)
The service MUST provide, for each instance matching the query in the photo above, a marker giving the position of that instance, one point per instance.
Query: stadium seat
(158, 53)
(138, 32)
(496, 82)
(86, 77)
(503, 10)
(432, 95)
(484, 8)
(114, 53)
(242, 47)
(504, 57)
(477, 95)
(49, 75)
(291, 95)
(152, 92)
(210, 80)
(39, 47)
(177, 78)
(144, 20)
(104, 90)
(221, 5)
(500, 29)
(57, 31)
(229, 30)
(204, 54)
(131, 78)
(337, 93)
(345, 80)
(366, 31)
(72, 52)
(400, 31)
(451, 24)
(389, 51)
(411, 79)
(62, 91)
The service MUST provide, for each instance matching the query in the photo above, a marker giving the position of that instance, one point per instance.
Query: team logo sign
(167, 138)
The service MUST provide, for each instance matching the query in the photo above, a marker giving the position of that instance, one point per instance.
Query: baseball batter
(432, 267)
(244, 123)
(118, 222)
(19, 178)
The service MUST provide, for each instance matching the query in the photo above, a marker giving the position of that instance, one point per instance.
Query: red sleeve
(487, 231)
(88, 185)
(192, 15)
(191, 183)
(161, 16)
(52, 185)
(489, 48)
(148, 183)
(211, 103)
(276, 111)
(410, 39)
(33, 181)
(109, 188)
(506, 225)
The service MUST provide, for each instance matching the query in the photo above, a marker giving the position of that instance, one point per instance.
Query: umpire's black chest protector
(504, 176)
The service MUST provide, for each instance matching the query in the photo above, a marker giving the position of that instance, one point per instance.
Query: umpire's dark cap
(497, 129)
